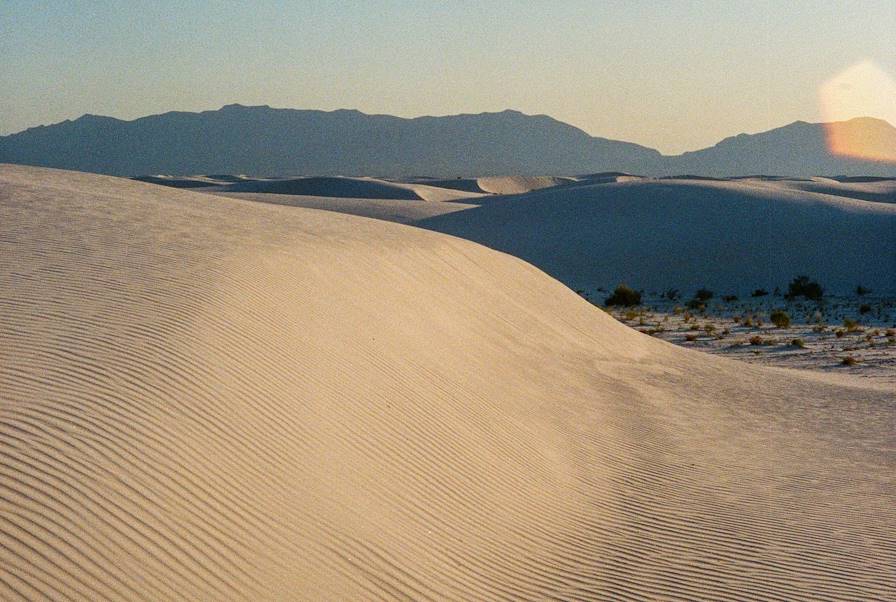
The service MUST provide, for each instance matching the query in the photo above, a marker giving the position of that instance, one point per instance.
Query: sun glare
(863, 90)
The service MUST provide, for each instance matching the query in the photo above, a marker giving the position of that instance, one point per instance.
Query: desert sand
(731, 235)
(207, 398)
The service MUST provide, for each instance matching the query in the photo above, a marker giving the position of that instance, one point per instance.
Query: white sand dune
(881, 190)
(345, 188)
(732, 236)
(180, 181)
(366, 188)
(496, 184)
(204, 398)
(519, 184)
(393, 210)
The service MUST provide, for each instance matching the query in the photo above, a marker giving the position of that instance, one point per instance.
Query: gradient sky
(674, 75)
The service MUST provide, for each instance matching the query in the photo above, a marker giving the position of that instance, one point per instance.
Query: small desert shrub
(850, 324)
(709, 328)
(729, 298)
(819, 328)
(748, 322)
(690, 337)
(839, 333)
(890, 332)
(756, 340)
(849, 361)
(703, 294)
(631, 314)
(736, 319)
(802, 286)
(759, 292)
(861, 291)
(798, 343)
(696, 305)
(864, 308)
(624, 296)
(780, 318)
(677, 310)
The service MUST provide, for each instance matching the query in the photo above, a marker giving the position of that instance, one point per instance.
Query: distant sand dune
(732, 236)
(519, 184)
(204, 398)
(329, 186)
(881, 190)
(178, 181)
(392, 210)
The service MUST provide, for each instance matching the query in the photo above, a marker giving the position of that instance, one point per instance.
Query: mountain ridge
(263, 140)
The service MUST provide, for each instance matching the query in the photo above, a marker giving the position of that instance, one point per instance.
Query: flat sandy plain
(212, 398)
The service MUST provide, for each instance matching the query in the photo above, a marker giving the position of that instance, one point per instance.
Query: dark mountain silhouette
(265, 141)
(798, 149)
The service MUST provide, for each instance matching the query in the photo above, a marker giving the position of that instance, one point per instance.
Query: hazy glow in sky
(674, 75)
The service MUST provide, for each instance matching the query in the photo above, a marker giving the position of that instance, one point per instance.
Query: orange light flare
(853, 103)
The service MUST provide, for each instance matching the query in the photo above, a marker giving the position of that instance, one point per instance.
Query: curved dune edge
(204, 398)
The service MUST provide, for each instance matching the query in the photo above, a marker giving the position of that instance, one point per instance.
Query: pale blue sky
(675, 75)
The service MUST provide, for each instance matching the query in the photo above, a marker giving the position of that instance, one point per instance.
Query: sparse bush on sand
(703, 294)
(802, 286)
(798, 343)
(624, 296)
(690, 337)
(780, 318)
(850, 325)
(759, 292)
(757, 340)
(849, 361)
(696, 305)
(864, 308)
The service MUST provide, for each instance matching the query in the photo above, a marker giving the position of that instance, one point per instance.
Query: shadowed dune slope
(347, 188)
(328, 186)
(729, 236)
(206, 399)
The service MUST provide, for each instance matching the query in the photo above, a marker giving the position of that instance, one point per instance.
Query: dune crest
(204, 398)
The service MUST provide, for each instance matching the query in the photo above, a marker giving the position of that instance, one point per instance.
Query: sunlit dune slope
(206, 399)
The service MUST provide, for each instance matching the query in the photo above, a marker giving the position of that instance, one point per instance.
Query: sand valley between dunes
(211, 398)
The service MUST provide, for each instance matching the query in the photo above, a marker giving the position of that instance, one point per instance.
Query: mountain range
(265, 141)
